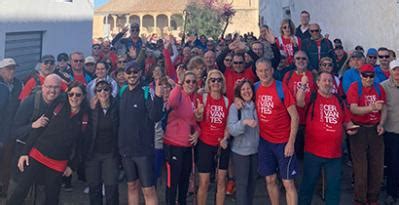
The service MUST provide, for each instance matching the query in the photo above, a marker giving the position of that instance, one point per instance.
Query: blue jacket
(353, 75)
(380, 74)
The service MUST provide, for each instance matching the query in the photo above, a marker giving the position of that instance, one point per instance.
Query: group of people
(234, 108)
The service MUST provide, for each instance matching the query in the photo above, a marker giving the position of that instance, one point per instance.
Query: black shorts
(207, 159)
(139, 168)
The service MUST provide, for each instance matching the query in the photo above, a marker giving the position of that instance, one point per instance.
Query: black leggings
(37, 173)
(178, 168)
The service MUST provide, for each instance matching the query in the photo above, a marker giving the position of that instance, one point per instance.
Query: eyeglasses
(190, 81)
(49, 62)
(315, 31)
(135, 71)
(52, 87)
(368, 75)
(122, 61)
(326, 64)
(79, 61)
(71, 94)
(384, 56)
(372, 57)
(216, 80)
(300, 58)
(106, 89)
(238, 62)
(96, 48)
(227, 59)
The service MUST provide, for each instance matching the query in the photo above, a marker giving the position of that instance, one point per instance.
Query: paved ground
(77, 197)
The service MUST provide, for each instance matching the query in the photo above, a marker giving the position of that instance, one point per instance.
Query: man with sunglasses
(317, 47)
(133, 40)
(77, 71)
(367, 100)
(10, 87)
(141, 108)
(371, 57)
(33, 84)
(382, 71)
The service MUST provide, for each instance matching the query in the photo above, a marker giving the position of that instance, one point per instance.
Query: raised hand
(158, 89)
(269, 36)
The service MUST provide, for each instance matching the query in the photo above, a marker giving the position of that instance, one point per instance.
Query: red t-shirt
(80, 78)
(214, 121)
(232, 77)
(274, 120)
(294, 84)
(369, 96)
(323, 133)
(287, 45)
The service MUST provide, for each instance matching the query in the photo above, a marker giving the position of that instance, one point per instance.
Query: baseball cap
(132, 65)
(90, 59)
(62, 56)
(372, 52)
(394, 64)
(47, 58)
(7, 62)
(338, 43)
(366, 68)
(357, 54)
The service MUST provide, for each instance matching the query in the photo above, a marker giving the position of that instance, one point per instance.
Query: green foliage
(204, 21)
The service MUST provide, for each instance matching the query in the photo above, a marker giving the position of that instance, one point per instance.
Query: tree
(208, 17)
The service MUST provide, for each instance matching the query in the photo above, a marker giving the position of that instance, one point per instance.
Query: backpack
(146, 89)
(279, 87)
(313, 97)
(360, 88)
(38, 84)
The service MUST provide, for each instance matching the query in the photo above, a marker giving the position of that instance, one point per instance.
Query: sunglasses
(79, 61)
(216, 80)
(106, 89)
(372, 57)
(228, 59)
(385, 56)
(300, 58)
(315, 31)
(238, 62)
(326, 64)
(135, 71)
(368, 75)
(49, 62)
(190, 81)
(339, 47)
(71, 94)
(122, 61)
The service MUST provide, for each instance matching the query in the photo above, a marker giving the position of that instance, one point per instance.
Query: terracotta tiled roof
(135, 6)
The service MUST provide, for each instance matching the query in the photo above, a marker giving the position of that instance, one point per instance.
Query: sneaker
(230, 187)
(86, 190)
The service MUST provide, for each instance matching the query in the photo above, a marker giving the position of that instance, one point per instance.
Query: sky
(98, 3)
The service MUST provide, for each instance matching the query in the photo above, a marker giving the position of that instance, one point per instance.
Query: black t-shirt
(104, 133)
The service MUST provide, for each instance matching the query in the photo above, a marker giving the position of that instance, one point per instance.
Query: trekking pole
(193, 176)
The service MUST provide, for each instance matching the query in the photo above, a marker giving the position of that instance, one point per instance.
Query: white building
(370, 23)
(32, 28)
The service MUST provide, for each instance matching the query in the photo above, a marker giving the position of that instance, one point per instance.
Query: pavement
(77, 197)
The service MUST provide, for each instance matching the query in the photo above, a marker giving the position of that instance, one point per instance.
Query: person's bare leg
(133, 192)
(202, 193)
(150, 196)
(221, 187)
(272, 189)
(290, 192)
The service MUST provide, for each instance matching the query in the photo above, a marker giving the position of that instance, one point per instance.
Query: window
(25, 48)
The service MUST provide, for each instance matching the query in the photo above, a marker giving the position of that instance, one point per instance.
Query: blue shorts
(271, 160)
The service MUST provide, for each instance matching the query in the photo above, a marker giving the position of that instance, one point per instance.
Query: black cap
(357, 54)
(47, 58)
(62, 56)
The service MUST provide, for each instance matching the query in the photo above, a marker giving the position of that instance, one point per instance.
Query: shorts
(141, 168)
(206, 158)
(271, 160)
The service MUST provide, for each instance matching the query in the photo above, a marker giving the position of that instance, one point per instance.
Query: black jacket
(137, 120)
(9, 103)
(113, 114)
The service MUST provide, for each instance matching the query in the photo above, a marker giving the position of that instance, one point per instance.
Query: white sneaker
(86, 190)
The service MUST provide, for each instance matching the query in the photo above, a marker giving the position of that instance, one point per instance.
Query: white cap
(394, 64)
(90, 59)
(7, 62)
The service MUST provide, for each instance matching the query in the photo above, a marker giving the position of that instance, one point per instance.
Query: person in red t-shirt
(288, 42)
(367, 146)
(213, 137)
(301, 84)
(278, 123)
(325, 121)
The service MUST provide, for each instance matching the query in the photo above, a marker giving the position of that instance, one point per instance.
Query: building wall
(356, 22)
(67, 26)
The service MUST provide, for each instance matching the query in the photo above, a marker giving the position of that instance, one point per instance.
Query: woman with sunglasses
(102, 70)
(213, 137)
(101, 148)
(243, 126)
(180, 136)
(52, 151)
(287, 42)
